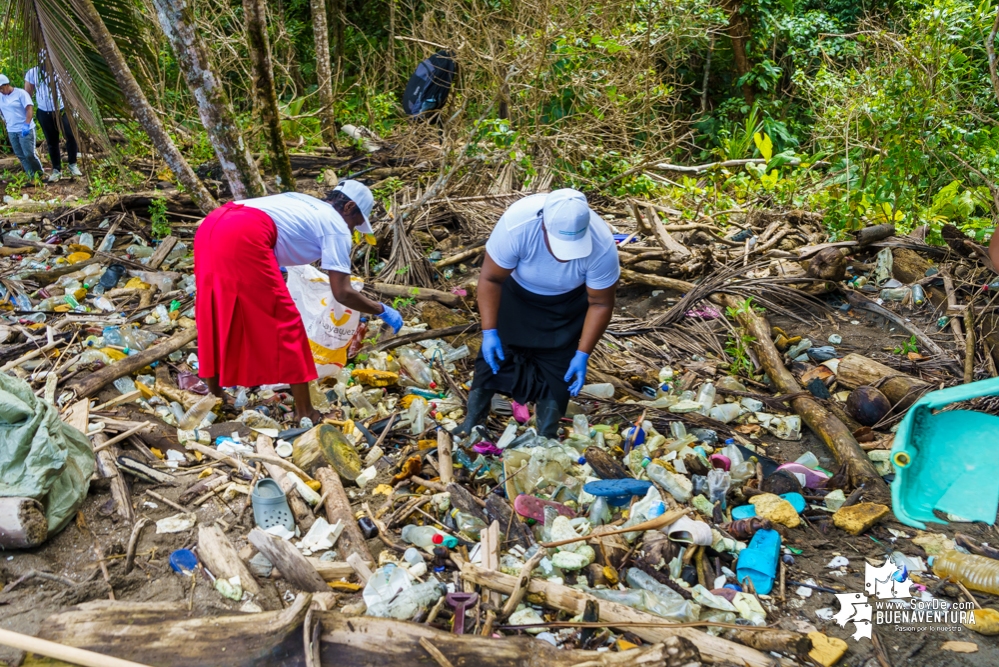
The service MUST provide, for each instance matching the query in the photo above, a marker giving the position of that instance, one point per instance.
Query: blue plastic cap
(183, 561)
(582, 460)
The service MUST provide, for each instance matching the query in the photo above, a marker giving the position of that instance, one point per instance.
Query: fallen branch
(89, 384)
(418, 293)
(75, 656)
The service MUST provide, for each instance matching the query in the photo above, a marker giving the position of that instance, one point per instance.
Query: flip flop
(532, 507)
(758, 561)
(270, 506)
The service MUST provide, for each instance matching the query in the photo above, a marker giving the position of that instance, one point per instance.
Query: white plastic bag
(330, 325)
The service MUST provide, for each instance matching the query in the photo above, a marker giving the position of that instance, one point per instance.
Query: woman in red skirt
(249, 331)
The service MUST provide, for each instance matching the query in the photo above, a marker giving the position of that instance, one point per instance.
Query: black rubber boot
(546, 417)
(477, 409)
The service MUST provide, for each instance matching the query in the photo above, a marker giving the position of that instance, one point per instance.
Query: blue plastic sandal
(758, 562)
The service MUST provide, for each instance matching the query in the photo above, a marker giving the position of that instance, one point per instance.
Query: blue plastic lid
(183, 561)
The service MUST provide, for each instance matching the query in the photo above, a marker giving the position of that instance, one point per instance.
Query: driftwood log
(875, 233)
(418, 293)
(338, 509)
(163, 634)
(289, 561)
(902, 390)
(221, 558)
(573, 601)
(365, 640)
(91, 383)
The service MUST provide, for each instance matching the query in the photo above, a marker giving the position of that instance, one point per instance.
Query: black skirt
(540, 335)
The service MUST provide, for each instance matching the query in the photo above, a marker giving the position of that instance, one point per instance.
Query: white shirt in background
(43, 94)
(14, 107)
(308, 229)
(518, 242)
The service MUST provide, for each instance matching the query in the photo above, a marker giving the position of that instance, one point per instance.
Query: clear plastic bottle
(423, 537)
(600, 512)
(418, 410)
(468, 524)
(125, 384)
(509, 434)
(706, 397)
(580, 427)
(415, 366)
(719, 482)
(809, 460)
(255, 419)
(676, 485)
(416, 598)
(978, 573)
(318, 396)
(357, 398)
(87, 239)
(598, 390)
(677, 429)
(197, 413)
(895, 293)
(725, 412)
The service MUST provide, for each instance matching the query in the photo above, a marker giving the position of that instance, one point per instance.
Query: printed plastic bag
(330, 325)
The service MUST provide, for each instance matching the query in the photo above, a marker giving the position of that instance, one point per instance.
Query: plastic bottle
(193, 417)
(978, 573)
(418, 410)
(677, 429)
(357, 398)
(706, 397)
(468, 524)
(725, 412)
(416, 598)
(598, 390)
(918, 295)
(125, 385)
(580, 426)
(415, 366)
(809, 460)
(107, 243)
(509, 433)
(357, 340)
(318, 396)
(895, 293)
(423, 537)
(600, 512)
(719, 482)
(677, 486)
(254, 419)
(87, 239)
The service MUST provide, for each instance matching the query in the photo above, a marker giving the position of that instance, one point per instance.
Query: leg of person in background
(50, 129)
(303, 403)
(547, 416)
(24, 149)
(71, 148)
(479, 402)
(15, 144)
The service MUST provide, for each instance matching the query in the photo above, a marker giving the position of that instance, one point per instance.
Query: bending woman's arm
(598, 316)
(490, 288)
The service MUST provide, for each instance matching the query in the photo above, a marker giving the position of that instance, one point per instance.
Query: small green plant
(907, 347)
(403, 271)
(157, 214)
(744, 308)
(737, 348)
(15, 183)
(402, 302)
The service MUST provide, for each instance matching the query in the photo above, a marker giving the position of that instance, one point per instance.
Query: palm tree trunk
(255, 13)
(141, 108)
(324, 72)
(177, 21)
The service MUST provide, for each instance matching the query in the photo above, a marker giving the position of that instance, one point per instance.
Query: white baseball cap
(567, 223)
(4, 80)
(360, 195)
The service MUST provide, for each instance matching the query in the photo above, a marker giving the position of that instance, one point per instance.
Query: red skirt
(249, 331)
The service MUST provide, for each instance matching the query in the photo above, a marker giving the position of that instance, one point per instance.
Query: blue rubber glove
(25, 132)
(577, 372)
(492, 350)
(391, 317)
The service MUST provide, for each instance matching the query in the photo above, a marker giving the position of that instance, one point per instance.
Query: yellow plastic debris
(136, 283)
(986, 622)
(775, 508)
(374, 378)
(157, 453)
(146, 391)
(384, 489)
(77, 257)
(207, 472)
(624, 645)
(855, 519)
(314, 485)
(826, 651)
(407, 400)
(345, 586)
(427, 444)
(115, 355)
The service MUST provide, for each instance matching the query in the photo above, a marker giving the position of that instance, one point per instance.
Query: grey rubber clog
(270, 506)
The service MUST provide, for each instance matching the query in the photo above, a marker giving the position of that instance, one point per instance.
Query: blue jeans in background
(24, 149)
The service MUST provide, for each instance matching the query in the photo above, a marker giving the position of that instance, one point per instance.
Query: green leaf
(764, 145)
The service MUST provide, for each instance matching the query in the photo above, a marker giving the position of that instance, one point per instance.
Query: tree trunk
(177, 21)
(255, 13)
(324, 71)
(738, 32)
(141, 108)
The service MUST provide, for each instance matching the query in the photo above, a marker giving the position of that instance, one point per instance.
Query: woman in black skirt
(546, 295)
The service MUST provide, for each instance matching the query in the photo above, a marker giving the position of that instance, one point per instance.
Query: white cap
(567, 223)
(360, 195)
(4, 80)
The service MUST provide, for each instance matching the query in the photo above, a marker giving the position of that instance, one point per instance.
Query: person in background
(546, 296)
(250, 332)
(37, 84)
(18, 116)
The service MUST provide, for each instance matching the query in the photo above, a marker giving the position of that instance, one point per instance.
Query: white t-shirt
(13, 107)
(518, 243)
(308, 229)
(43, 95)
